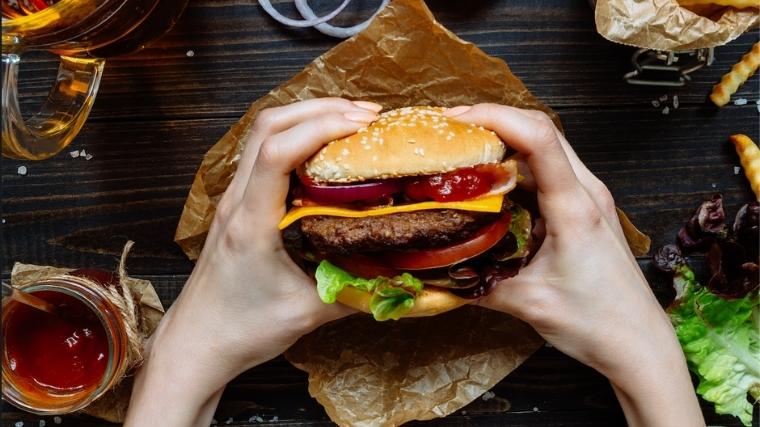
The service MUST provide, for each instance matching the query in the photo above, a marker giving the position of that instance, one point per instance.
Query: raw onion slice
(343, 32)
(301, 23)
(340, 194)
(504, 176)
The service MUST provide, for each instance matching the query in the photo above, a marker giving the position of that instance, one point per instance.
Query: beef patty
(407, 230)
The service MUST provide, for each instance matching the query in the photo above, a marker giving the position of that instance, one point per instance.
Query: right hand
(583, 291)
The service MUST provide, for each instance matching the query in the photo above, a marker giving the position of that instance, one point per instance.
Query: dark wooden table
(158, 111)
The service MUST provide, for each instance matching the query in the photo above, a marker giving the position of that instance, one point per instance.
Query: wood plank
(240, 54)
(75, 212)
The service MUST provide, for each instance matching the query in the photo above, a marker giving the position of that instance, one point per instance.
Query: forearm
(179, 389)
(659, 394)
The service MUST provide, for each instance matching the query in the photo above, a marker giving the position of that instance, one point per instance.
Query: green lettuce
(392, 297)
(721, 341)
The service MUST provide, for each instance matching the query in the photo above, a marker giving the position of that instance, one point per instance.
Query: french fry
(749, 155)
(739, 4)
(739, 74)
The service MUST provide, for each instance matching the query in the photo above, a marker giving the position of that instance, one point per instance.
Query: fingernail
(358, 116)
(451, 112)
(371, 106)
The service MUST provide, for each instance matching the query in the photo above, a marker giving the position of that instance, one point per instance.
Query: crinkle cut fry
(749, 155)
(739, 74)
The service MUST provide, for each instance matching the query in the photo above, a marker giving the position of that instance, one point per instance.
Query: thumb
(519, 295)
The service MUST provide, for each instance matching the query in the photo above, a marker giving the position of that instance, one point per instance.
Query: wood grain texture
(159, 110)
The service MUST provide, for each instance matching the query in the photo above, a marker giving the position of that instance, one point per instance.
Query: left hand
(246, 301)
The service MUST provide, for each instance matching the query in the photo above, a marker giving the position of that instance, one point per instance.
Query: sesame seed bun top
(405, 142)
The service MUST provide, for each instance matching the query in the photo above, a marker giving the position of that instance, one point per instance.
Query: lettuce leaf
(391, 297)
(721, 341)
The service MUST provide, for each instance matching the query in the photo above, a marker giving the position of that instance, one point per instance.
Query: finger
(534, 139)
(593, 186)
(275, 120)
(280, 154)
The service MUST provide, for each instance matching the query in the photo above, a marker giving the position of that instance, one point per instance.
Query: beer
(83, 32)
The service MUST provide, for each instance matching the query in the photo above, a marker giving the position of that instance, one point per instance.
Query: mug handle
(61, 116)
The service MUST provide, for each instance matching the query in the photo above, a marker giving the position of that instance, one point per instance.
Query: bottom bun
(430, 302)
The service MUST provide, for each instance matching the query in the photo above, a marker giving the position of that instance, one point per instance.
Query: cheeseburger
(409, 216)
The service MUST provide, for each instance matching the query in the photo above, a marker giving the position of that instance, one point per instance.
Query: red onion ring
(343, 32)
(301, 23)
(340, 194)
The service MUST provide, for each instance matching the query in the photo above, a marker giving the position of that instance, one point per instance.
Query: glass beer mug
(83, 33)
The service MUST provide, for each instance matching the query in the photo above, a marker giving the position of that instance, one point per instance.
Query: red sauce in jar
(461, 184)
(67, 352)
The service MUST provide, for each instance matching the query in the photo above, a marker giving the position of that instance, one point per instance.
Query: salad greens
(391, 297)
(718, 325)
(721, 341)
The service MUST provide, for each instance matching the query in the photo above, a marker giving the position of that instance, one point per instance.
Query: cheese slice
(482, 204)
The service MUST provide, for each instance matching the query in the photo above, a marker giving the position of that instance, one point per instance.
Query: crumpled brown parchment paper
(665, 25)
(363, 372)
(367, 373)
(112, 406)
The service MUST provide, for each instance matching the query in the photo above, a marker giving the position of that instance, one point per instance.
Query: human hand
(246, 300)
(583, 291)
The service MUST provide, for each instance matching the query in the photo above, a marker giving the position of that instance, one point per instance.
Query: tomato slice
(362, 266)
(484, 240)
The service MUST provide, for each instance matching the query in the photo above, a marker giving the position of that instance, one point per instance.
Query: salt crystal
(464, 412)
(88, 157)
(82, 153)
(229, 420)
(758, 108)
(740, 101)
(757, 102)
(535, 409)
(548, 345)
(713, 185)
(275, 419)
(42, 423)
(19, 424)
(655, 103)
(57, 420)
(190, 53)
(488, 396)
(663, 98)
(675, 102)
(666, 111)
(74, 154)
(21, 170)
(2, 220)
(737, 169)
(259, 419)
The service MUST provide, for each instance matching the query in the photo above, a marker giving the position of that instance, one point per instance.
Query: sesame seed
(344, 152)
(374, 158)
(469, 130)
(367, 147)
(411, 141)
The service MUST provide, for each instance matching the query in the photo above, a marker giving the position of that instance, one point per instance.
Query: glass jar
(28, 392)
